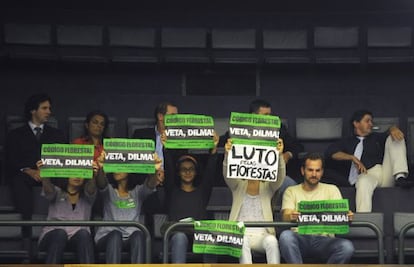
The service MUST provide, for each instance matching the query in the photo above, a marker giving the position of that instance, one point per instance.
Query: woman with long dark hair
(95, 130)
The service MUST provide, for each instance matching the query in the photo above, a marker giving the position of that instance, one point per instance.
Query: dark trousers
(113, 244)
(56, 241)
(22, 192)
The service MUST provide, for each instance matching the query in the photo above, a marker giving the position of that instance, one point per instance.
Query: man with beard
(293, 246)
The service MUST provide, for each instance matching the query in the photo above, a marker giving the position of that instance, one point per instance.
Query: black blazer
(23, 149)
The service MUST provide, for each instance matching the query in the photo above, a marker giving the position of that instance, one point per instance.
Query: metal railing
(401, 241)
(88, 223)
(373, 226)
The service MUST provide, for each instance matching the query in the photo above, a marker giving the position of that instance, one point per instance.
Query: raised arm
(153, 180)
(100, 177)
(281, 174)
(47, 186)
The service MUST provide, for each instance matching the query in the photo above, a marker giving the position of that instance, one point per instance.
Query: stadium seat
(285, 46)
(29, 41)
(184, 45)
(133, 44)
(402, 219)
(336, 45)
(366, 241)
(317, 133)
(389, 44)
(81, 43)
(138, 123)
(234, 46)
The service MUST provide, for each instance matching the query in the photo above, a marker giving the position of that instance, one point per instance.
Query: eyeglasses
(187, 169)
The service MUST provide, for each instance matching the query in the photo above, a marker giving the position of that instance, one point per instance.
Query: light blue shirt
(159, 146)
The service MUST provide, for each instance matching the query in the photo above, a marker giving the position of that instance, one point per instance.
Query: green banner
(254, 129)
(189, 131)
(67, 161)
(129, 155)
(218, 237)
(323, 217)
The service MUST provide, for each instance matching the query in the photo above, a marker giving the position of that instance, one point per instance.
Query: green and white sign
(67, 161)
(218, 237)
(254, 129)
(323, 217)
(189, 131)
(129, 155)
(253, 154)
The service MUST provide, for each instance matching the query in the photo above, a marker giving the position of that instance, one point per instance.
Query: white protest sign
(253, 162)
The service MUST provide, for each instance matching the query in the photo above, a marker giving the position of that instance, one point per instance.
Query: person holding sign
(155, 203)
(123, 202)
(72, 201)
(95, 127)
(252, 202)
(23, 149)
(293, 246)
(290, 151)
(188, 188)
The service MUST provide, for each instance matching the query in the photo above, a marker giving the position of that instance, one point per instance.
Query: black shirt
(373, 151)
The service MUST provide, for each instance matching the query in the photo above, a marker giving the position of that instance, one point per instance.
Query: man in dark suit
(155, 203)
(23, 151)
(155, 132)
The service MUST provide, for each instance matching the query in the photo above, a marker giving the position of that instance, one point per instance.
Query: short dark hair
(89, 117)
(313, 156)
(255, 105)
(132, 180)
(33, 103)
(358, 115)
(162, 108)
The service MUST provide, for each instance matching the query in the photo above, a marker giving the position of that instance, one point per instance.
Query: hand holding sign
(159, 172)
(350, 216)
(163, 138)
(227, 146)
(101, 159)
(216, 139)
(280, 145)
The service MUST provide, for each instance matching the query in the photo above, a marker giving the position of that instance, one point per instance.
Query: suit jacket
(23, 149)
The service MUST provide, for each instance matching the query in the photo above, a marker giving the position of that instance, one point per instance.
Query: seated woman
(122, 201)
(95, 128)
(188, 189)
(72, 201)
(252, 202)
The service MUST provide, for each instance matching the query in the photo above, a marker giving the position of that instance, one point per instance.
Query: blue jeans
(179, 244)
(55, 241)
(295, 247)
(113, 244)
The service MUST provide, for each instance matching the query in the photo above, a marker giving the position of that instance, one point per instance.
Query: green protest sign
(189, 131)
(218, 237)
(323, 217)
(67, 161)
(129, 155)
(254, 129)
